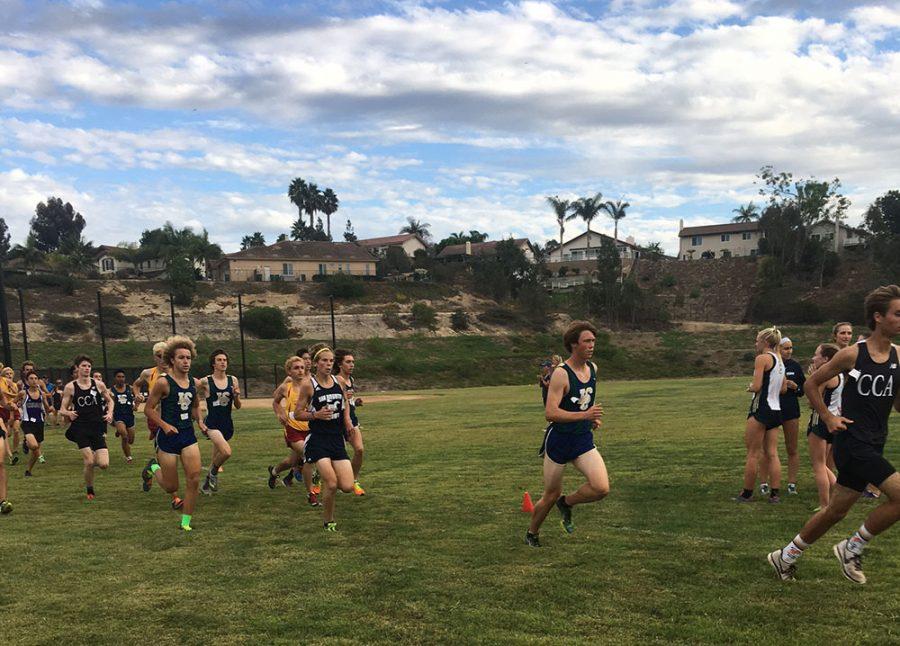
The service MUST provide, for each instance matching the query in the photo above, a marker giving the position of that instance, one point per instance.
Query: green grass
(434, 553)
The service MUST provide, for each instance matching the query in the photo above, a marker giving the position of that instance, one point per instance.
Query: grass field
(434, 553)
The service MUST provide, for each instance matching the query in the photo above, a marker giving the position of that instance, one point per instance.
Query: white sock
(857, 543)
(793, 550)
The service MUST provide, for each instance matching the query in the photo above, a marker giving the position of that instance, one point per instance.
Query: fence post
(102, 338)
(22, 315)
(4, 322)
(172, 311)
(243, 353)
(333, 337)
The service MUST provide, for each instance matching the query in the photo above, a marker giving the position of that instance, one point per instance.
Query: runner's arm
(110, 404)
(68, 391)
(160, 390)
(195, 413)
(277, 398)
(759, 367)
(136, 386)
(843, 361)
(237, 392)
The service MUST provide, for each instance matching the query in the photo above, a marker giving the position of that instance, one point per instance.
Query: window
(321, 269)
(287, 269)
(746, 235)
(109, 264)
(726, 237)
(302, 278)
(753, 252)
(696, 241)
(367, 269)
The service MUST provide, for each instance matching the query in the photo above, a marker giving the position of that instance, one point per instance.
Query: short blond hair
(175, 343)
(159, 346)
(290, 361)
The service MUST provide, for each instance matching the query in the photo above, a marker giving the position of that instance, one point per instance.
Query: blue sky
(465, 115)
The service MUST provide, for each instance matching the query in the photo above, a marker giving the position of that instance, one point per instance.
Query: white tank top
(776, 379)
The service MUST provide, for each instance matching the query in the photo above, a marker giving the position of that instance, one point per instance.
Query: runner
(790, 410)
(765, 414)
(860, 433)
(346, 363)
(82, 406)
(123, 412)
(9, 413)
(284, 401)
(57, 402)
(573, 416)
(5, 505)
(544, 379)
(147, 379)
(817, 436)
(35, 406)
(323, 403)
(172, 405)
(222, 391)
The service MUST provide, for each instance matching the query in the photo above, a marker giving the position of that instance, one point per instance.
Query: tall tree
(330, 204)
(312, 202)
(561, 209)
(29, 253)
(746, 213)
(4, 239)
(53, 222)
(417, 227)
(281, 237)
(297, 194)
(349, 233)
(587, 208)
(616, 210)
(883, 221)
(255, 240)
(78, 255)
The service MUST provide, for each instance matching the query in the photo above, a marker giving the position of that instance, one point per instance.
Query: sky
(462, 114)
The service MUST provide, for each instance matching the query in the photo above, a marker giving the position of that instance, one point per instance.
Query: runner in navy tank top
(573, 416)
(175, 395)
(123, 412)
(35, 408)
(346, 364)
(323, 403)
(817, 436)
(871, 390)
(82, 404)
(768, 386)
(222, 393)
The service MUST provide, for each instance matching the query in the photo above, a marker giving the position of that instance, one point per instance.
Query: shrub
(695, 293)
(65, 324)
(459, 320)
(667, 281)
(282, 286)
(748, 356)
(393, 321)
(266, 323)
(499, 316)
(424, 316)
(115, 324)
(342, 285)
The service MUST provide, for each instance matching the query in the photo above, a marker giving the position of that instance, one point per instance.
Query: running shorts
(87, 435)
(176, 442)
(319, 447)
(820, 431)
(225, 427)
(292, 435)
(125, 418)
(565, 447)
(34, 428)
(768, 418)
(859, 463)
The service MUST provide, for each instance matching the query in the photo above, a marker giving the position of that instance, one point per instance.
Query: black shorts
(790, 409)
(34, 428)
(821, 432)
(318, 447)
(768, 418)
(87, 436)
(859, 463)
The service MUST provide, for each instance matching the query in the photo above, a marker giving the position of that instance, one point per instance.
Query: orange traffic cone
(527, 505)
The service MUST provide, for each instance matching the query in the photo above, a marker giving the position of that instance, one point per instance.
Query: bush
(748, 356)
(499, 316)
(459, 320)
(393, 321)
(667, 281)
(115, 324)
(266, 323)
(65, 324)
(695, 293)
(781, 306)
(342, 285)
(424, 316)
(282, 286)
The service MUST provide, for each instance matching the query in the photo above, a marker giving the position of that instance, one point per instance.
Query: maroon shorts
(292, 435)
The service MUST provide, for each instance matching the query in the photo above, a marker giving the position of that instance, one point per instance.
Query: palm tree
(417, 227)
(78, 254)
(30, 254)
(255, 240)
(330, 204)
(297, 193)
(616, 210)
(587, 208)
(312, 202)
(746, 213)
(561, 208)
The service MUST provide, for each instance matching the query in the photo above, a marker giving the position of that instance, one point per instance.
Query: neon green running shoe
(330, 527)
(566, 513)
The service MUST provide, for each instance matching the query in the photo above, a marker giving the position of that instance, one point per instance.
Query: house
(463, 252)
(108, 261)
(294, 261)
(409, 242)
(720, 240)
(587, 247)
(847, 236)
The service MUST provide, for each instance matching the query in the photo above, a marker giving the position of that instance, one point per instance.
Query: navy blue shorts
(790, 409)
(319, 447)
(565, 447)
(820, 431)
(127, 419)
(224, 426)
(176, 442)
(859, 463)
(768, 418)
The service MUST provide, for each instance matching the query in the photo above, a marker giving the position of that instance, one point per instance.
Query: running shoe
(187, 528)
(41, 458)
(532, 540)
(784, 571)
(205, 488)
(288, 480)
(14, 459)
(177, 503)
(774, 500)
(147, 475)
(28, 474)
(129, 460)
(316, 489)
(851, 564)
(740, 498)
(313, 500)
(5, 507)
(357, 489)
(566, 513)
(331, 527)
(213, 481)
(865, 494)
(90, 496)
(273, 478)
(792, 489)
(763, 488)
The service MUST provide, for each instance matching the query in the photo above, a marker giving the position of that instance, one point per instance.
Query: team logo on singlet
(123, 398)
(184, 400)
(222, 399)
(583, 401)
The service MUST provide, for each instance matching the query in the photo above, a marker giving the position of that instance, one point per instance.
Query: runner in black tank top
(220, 399)
(323, 403)
(346, 364)
(817, 436)
(34, 413)
(871, 390)
(82, 404)
(573, 415)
